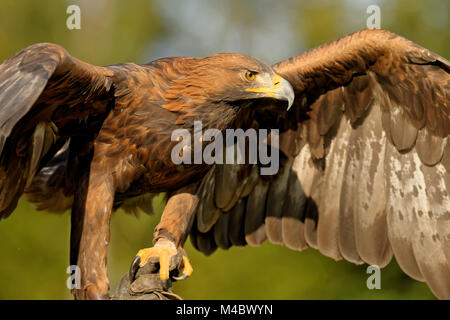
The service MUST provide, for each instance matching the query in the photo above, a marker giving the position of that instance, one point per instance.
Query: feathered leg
(90, 233)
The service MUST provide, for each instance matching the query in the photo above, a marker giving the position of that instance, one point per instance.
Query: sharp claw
(187, 270)
(134, 268)
(182, 277)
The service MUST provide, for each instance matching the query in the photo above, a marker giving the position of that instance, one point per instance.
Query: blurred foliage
(424, 22)
(34, 245)
(111, 31)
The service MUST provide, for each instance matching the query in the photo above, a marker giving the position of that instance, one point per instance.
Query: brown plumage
(365, 156)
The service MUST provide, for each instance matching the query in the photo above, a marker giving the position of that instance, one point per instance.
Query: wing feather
(275, 203)
(365, 176)
(221, 231)
(330, 193)
(428, 248)
(34, 83)
(429, 147)
(293, 220)
(255, 229)
(236, 225)
(207, 212)
(399, 174)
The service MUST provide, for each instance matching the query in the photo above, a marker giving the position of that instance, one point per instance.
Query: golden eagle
(364, 152)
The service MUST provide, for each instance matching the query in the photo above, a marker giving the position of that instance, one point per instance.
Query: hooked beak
(281, 89)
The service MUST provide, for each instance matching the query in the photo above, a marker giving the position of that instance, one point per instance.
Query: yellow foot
(164, 250)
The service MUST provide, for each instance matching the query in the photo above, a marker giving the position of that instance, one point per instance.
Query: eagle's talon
(182, 277)
(134, 268)
(164, 251)
(186, 271)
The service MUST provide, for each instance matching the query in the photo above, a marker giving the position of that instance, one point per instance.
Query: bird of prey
(364, 152)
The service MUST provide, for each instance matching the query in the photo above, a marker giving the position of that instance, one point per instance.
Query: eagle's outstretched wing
(366, 168)
(46, 96)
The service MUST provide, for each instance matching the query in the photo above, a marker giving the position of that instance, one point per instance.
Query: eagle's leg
(91, 214)
(170, 235)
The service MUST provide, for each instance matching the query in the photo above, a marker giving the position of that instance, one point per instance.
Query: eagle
(363, 141)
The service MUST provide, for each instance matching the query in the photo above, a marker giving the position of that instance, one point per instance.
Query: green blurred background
(34, 245)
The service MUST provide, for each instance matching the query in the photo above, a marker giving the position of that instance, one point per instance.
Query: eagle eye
(250, 75)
